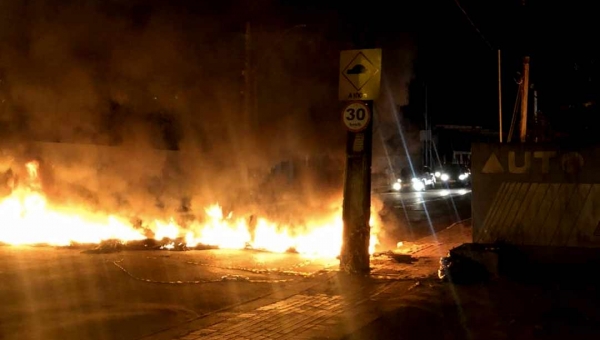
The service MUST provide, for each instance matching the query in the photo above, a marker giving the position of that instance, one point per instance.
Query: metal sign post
(360, 75)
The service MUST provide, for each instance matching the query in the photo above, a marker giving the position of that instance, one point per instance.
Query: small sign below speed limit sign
(356, 116)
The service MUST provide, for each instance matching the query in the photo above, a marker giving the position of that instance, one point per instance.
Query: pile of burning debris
(31, 217)
(115, 245)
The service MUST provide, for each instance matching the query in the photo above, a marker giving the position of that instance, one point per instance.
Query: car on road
(415, 180)
(453, 175)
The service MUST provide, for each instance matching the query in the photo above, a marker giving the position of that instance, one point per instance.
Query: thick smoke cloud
(99, 91)
(396, 141)
(135, 107)
(136, 78)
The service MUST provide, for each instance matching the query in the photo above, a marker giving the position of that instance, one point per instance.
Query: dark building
(453, 142)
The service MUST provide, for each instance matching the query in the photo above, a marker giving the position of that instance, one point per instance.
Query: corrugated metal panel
(536, 194)
(558, 214)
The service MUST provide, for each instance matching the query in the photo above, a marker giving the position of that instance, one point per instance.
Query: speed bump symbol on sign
(356, 116)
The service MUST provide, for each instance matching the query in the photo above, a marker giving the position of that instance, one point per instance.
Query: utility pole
(524, 98)
(500, 95)
(426, 139)
(429, 133)
(355, 257)
(525, 38)
(360, 76)
(535, 115)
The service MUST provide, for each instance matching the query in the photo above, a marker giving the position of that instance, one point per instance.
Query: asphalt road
(411, 215)
(414, 200)
(65, 294)
(50, 293)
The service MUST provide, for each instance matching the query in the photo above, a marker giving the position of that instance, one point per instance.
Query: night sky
(127, 55)
(460, 62)
(456, 42)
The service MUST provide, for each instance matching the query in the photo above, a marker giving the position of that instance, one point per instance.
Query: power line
(473, 24)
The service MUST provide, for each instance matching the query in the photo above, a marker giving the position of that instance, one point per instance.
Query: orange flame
(27, 218)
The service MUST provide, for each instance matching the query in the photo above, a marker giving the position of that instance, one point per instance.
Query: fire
(28, 218)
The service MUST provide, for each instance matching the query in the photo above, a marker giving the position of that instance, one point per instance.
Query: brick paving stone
(302, 316)
(286, 319)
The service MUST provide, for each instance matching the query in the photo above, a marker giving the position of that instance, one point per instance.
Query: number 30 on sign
(356, 116)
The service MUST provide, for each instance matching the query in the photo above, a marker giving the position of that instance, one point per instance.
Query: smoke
(396, 140)
(135, 108)
(124, 76)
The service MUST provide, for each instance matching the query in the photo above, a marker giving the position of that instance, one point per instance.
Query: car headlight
(462, 177)
(438, 174)
(418, 185)
(415, 180)
(396, 186)
(445, 177)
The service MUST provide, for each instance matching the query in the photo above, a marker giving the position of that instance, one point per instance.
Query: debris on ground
(399, 258)
(402, 258)
(203, 247)
(411, 247)
(173, 245)
(112, 246)
(145, 244)
(106, 247)
(462, 270)
(415, 285)
(232, 277)
(470, 263)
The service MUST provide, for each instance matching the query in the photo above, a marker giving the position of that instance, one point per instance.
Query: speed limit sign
(356, 116)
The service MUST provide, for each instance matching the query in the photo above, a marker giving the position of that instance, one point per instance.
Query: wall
(536, 194)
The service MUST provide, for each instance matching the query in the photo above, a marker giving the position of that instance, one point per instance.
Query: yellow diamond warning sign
(359, 71)
(360, 74)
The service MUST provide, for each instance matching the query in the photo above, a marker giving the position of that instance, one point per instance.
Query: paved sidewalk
(329, 310)
(329, 306)
(297, 317)
(309, 315)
